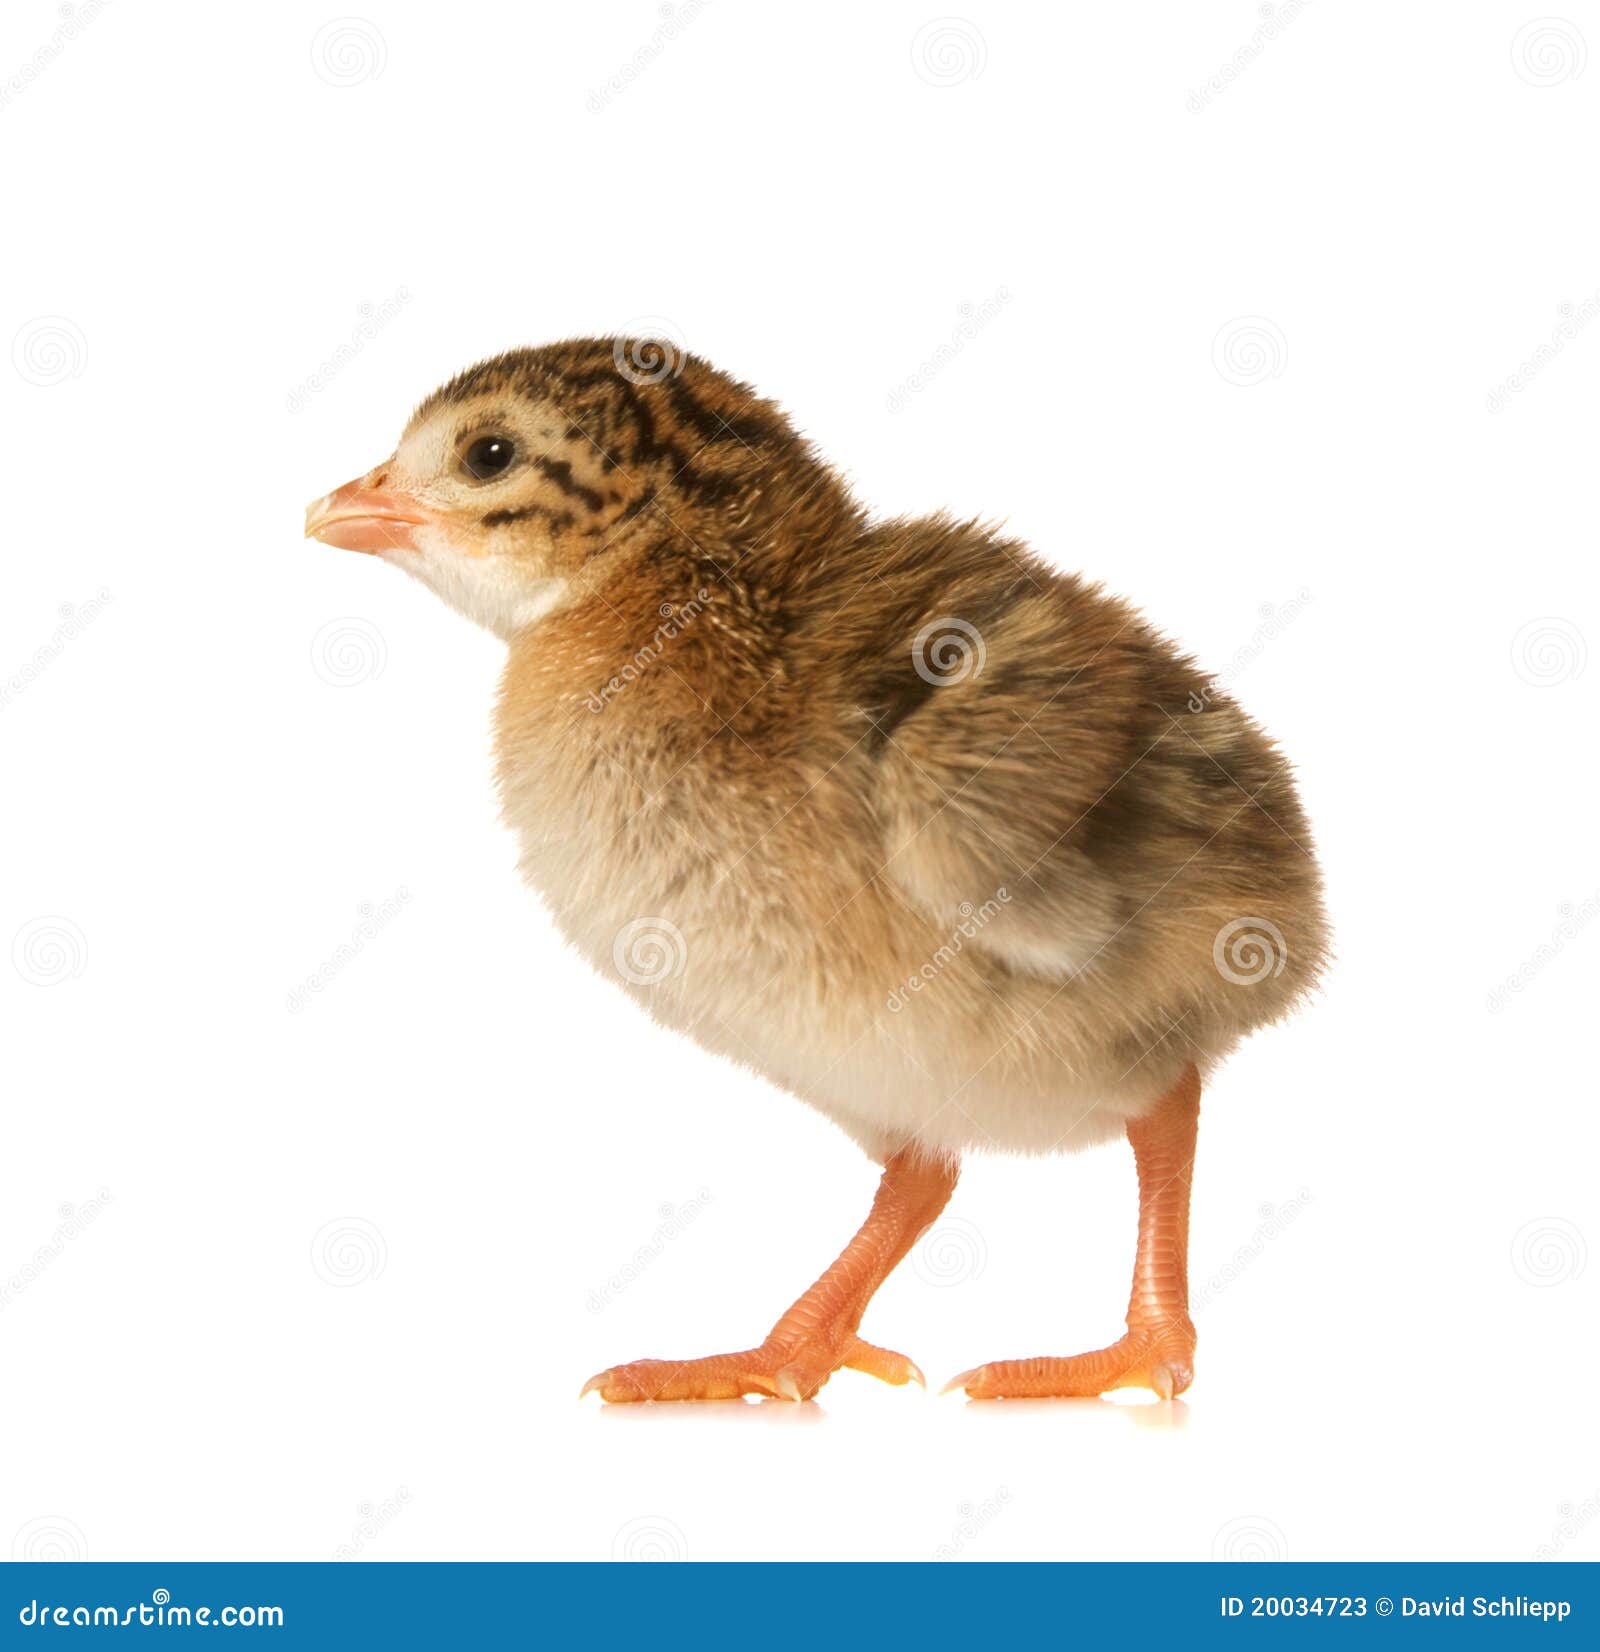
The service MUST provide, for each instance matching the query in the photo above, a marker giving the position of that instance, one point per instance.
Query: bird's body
(952, 845)
(931, 917)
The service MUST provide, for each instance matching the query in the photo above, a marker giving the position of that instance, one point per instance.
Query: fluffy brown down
(950, 843)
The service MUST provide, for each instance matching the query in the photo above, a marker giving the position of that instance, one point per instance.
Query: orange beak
(365, 516)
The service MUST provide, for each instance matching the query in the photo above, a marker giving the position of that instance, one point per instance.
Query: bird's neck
(622, 662)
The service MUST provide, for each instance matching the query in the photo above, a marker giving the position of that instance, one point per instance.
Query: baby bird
(950, 844)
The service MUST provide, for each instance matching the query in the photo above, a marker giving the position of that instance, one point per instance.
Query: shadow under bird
(950, 844)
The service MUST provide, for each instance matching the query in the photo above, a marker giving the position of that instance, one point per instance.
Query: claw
(961, 1381)
(595, 1384)
(883, 1363)
(786, 1385)
(1161, 1380)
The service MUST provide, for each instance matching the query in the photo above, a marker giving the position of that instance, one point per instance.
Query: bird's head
(541, 474)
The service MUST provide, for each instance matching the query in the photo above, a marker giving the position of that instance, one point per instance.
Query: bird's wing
(1039, 774)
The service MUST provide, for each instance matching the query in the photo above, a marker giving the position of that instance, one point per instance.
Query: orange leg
(1158, 1350)
(817, 1336)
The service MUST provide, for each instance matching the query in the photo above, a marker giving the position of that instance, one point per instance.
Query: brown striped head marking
(543, 466)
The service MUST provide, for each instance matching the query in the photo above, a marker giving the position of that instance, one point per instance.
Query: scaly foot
(817, 1336)
(780, 1371)
(1159, 1357)
(1158, 1351)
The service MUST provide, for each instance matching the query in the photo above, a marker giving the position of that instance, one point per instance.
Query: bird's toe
(883, 1363)
(1160, 1359)
(780, 1371)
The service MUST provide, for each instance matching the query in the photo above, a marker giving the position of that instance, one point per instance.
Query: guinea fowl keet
(950, 844)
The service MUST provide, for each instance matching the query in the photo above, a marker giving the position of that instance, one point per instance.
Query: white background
(211, 767)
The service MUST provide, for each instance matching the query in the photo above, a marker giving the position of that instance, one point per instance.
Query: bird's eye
(486, 457)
